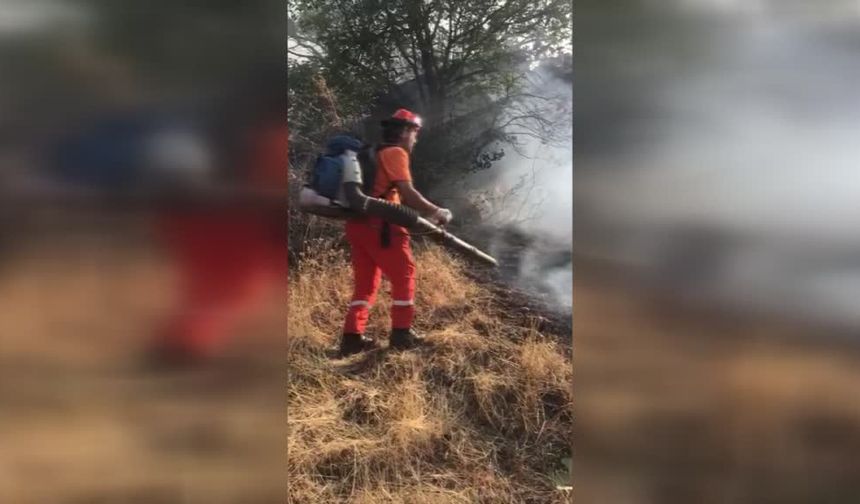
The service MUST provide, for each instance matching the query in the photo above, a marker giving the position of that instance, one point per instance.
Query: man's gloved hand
(442, 217)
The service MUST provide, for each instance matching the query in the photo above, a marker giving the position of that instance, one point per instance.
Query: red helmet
(403, 116)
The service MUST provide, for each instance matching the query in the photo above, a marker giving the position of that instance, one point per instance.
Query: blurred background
(716, 289)
(142, 251)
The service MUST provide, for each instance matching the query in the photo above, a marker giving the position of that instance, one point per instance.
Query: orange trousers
(371, 260)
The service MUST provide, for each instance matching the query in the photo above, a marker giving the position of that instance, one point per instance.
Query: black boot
(352, 343)
(404, 339)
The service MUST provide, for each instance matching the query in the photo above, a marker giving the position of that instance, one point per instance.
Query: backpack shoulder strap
(367, 162)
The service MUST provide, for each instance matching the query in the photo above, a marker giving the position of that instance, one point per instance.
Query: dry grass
(481, 416)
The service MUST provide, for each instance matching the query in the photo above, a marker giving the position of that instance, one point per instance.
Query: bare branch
(304, 44)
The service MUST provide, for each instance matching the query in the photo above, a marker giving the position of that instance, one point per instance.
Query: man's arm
(412, 198)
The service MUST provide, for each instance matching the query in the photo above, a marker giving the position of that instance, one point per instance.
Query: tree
(462, 64)
(450, 48)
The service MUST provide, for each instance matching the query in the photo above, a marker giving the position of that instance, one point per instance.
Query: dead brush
(477, 417)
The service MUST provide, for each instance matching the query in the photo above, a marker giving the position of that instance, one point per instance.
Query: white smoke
(533, 193)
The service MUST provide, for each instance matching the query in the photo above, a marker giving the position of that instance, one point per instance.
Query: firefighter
(379, 248)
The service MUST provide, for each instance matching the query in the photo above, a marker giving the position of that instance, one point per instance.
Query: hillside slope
(483, 415)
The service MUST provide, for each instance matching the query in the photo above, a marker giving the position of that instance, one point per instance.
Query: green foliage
(305, 108)
(452, 48)
(465, 60)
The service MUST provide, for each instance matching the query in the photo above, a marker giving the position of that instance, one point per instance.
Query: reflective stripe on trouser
(369, 262)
